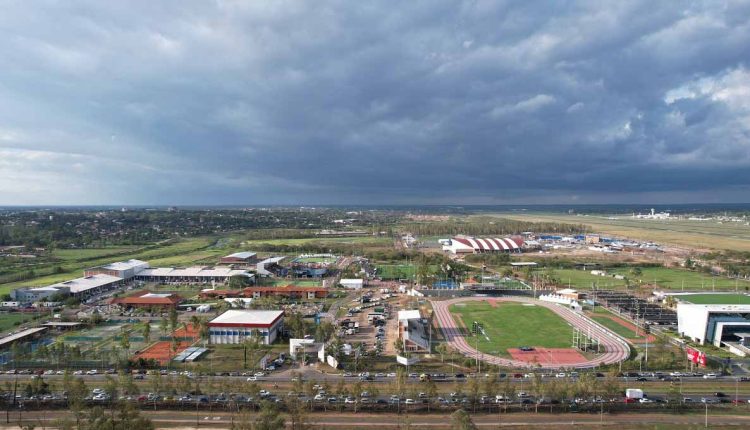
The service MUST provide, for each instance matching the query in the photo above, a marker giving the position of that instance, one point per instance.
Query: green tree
(173, 319)
(269, 418)
(460, 420)
(146, 332)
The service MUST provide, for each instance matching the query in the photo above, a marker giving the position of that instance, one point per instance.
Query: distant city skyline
(325, 103)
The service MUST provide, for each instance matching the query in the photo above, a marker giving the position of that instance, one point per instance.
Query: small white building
(237, 326)
(299, 347)
(352, 284)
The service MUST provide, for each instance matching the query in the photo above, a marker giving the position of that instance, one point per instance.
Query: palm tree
(146, 332)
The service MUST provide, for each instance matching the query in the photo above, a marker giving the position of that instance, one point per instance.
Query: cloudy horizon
(333, 102)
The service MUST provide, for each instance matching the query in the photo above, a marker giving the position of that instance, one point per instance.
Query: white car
(709, 376)
(411, 402)
(645, 400)
(259, 374)
(251, 378)
(92, 372)
(350, 400)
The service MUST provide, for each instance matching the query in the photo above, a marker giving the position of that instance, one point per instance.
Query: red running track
(616, 349)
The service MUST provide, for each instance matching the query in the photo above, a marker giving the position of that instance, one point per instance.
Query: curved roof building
(475, 245)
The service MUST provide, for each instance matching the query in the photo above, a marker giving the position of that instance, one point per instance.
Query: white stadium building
(478, 245)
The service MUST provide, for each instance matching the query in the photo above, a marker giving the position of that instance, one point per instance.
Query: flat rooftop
(125, 265)
(61, 324)
(20, 335)
(193, 272)
(409, 315)
(79, 285)
(243, 255)
(240, 317)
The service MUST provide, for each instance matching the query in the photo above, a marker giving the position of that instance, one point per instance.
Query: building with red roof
(288, 291)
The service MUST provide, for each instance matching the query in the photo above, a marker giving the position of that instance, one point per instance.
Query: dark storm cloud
(363, 102)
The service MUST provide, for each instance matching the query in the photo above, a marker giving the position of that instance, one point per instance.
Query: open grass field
(581, 279)
(715, 299)
(395, 271)
(615, 327)
(511, 325)
(7, 321)
(400, 271)
(704, 234)
(86, 254)
(365, 240)
(181, 252)
(664, 277)
(270, 282)
(675, 279)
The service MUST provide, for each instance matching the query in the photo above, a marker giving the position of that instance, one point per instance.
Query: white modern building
(412, 331)
(79, 288)
(237, 326)
(714, 324)
(352, 284)
(122, 269)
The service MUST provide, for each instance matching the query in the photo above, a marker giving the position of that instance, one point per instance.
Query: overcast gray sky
(315, 102)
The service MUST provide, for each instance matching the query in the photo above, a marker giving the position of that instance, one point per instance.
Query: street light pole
(706, 424)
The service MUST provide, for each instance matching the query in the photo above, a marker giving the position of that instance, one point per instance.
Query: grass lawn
(583, 279)
(664, 277)
(675, 279)
(395, 271)
(85, 254)
(616, 327)
(510, 325)
(7, 321)
(401, 271)
(716, 299)
(369, 240)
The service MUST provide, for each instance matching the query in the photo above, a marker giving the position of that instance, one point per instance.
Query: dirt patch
(545, 356)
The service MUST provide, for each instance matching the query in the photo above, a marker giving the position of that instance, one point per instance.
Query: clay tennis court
(548, 356)
(162, 351)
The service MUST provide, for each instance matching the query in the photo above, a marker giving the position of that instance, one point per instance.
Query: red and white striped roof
(490, 243)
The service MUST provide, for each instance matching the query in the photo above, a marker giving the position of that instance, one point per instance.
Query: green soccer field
(511, 325)
(715, 299)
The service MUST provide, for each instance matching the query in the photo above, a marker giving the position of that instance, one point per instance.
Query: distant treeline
(98, 228)
(491, 226)
(734, 263)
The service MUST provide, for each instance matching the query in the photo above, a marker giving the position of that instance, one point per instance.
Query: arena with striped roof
(477, 245)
